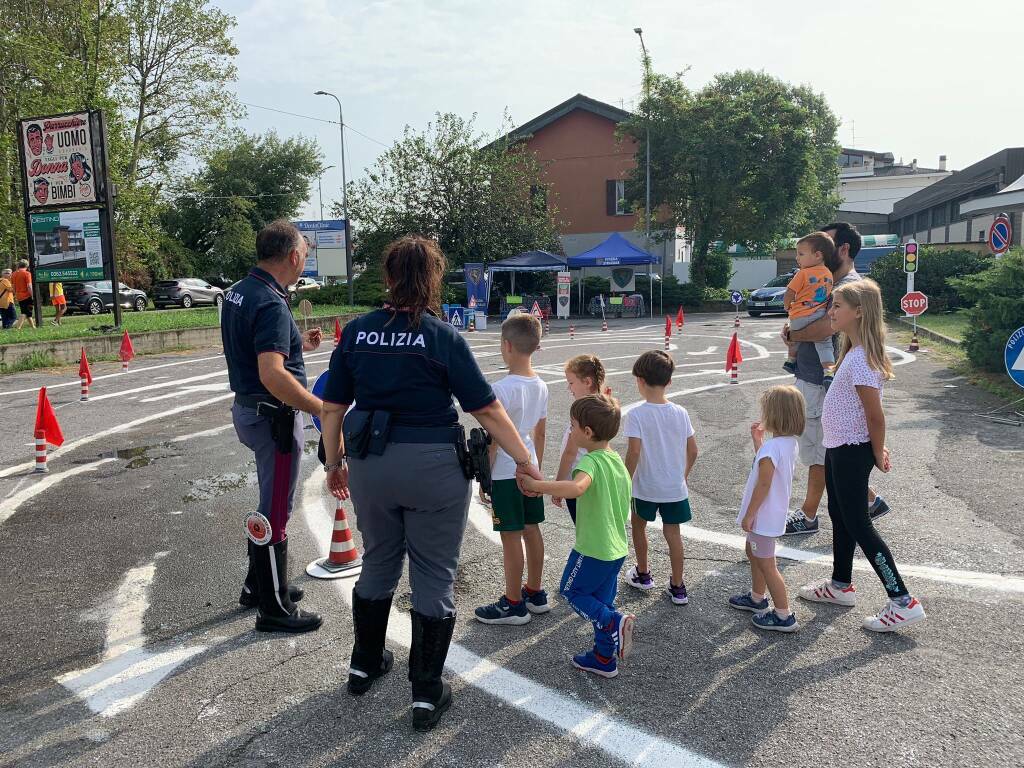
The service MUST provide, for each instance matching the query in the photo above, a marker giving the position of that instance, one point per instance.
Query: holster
(356, 429)
(282, 425)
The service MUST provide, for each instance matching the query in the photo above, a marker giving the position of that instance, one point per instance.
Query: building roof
(579, 101)
(885, 157)
(995, 171)
(905, 170)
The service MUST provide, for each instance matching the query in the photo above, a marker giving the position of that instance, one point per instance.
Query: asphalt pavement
(122, 644)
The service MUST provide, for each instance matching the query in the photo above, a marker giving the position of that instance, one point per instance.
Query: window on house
(939, 216)
(922, 221)
(616, 203)
(981, 235)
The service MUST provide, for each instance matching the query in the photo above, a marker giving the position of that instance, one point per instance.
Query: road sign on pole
(1000, 234)
(1014, 356)
(736, 298)
(914, 303)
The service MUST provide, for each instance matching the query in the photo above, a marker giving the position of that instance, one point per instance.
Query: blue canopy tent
(616, 251)
(528, 261)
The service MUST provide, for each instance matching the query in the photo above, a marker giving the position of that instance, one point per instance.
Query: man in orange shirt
(22, 282)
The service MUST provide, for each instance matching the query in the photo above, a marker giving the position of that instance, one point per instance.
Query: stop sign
(914, 303)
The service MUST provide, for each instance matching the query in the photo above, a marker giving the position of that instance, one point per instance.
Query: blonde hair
(867, 296)
(523, 332)
(783, 410)
(587, 367)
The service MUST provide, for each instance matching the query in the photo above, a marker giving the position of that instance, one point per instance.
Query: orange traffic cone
(47, 430)
(736, 323)
(680, 319)
(572, 331)
(668, 331)
(337, 332)
(604, 324)
(85, 374)
(343, 559)
(127, 352)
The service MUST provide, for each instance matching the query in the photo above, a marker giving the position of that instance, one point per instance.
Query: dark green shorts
(671, 511)
(510, 510)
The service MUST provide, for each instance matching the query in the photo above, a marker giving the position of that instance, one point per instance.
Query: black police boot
(276, 611)
(250, 596)
(370, 659)
(431, 696)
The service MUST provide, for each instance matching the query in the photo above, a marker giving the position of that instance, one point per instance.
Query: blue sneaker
(798, 524)
(503, 612)
(771, 620)
(588, 662)
(878, 508)
(745, 602)
(621, 631)
(537, 602)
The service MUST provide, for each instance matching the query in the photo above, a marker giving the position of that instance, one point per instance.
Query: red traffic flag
(46, 420)
(337, 331)
(83, 368)
(679, 318)
(733, 356)
(668, 325)
(127, 352)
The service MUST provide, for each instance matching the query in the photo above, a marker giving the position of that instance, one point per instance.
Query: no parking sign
(1014, 356)
(1000, 234)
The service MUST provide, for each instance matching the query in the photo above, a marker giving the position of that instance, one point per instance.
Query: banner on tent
(476, 287)
(623, 280)
(562, 294)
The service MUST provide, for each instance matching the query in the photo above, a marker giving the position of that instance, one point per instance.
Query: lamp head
(321, 93)
(638, 30)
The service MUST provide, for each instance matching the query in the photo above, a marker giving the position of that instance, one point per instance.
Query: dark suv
(186, 292)
(96, 297)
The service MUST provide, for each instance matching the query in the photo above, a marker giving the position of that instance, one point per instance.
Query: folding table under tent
(529, 261)
(616, 251)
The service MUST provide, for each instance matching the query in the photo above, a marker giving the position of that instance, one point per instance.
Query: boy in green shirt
(601, 485)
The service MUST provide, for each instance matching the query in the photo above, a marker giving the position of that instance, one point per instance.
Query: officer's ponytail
(414, 269)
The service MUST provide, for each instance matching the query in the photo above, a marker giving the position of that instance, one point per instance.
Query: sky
(918, 79)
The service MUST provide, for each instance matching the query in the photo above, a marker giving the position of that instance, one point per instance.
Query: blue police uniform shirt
(384, 364)
(256, 318)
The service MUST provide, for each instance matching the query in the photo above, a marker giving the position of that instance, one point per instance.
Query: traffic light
(910, 256)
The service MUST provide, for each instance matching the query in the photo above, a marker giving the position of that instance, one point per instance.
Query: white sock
(756, 597)
(783, 614)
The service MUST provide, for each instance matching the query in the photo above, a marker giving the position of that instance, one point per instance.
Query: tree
(177, 64)
(744, 160)
(482, 200)
(242, 187)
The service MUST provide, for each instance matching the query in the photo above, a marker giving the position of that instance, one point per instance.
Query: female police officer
(400, 365)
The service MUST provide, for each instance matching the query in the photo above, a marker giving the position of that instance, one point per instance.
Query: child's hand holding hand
(484, 498)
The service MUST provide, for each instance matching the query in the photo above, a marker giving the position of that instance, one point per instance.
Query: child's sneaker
(503, 612)
(536, 602)
(772, 621)
(678, 594)
(789, 366)
(825, 592)
(895, 616)
(798, 524)
(639, 580)
(622, 632)
(878, 508)
(588, 662)
(745, 602)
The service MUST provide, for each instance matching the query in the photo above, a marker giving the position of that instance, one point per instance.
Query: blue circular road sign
(1014, 356)
(319, 387)
(736, 298)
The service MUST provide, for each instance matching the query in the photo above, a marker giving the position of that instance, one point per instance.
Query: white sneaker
(895, 616)
(825, 592)
(639, 580)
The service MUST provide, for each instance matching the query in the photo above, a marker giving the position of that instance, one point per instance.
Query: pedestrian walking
(21, 280)
(8, 308)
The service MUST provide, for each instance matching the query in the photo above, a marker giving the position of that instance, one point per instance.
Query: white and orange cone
(572, 331)
(343, 559)
(41, 452)
(604, 324)
(736, 323)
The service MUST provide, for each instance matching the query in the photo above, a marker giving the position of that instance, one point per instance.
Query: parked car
(186, 292)
(768, 298)
(96, 297)
(303, 284)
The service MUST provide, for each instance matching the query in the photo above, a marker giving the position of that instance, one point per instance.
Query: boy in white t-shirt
(516, 517)
(661, 452)
(765, 506)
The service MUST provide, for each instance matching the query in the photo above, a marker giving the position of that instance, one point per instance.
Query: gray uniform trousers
(414, 498)
(253, 432)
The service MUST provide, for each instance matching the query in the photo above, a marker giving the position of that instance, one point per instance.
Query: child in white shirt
(765, 506)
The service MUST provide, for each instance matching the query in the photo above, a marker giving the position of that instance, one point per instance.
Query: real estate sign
(326, 247)
(67, 246)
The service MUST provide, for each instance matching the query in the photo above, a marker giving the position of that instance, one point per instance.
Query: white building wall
(958, 232)
(937, 235)
(980, 224)
(878, 194)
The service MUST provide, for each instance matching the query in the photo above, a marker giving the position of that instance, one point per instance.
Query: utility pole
(647, 143)
(344, 198)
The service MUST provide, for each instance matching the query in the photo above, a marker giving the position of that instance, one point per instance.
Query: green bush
(718, 269)
(938, 267)
(998, 297)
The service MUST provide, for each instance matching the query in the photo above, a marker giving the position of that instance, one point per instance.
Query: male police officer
(264, 348)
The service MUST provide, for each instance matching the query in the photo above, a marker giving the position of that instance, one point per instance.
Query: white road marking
(592, 727)
(126, 672)
(11, 504)
(162, 385)
(218, 387)
(119, 428)
(480, 517)
(204, 433)
(708, 351)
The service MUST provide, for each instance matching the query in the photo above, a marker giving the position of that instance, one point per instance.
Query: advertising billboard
(326, 244)
(58, 160)
(67, 246)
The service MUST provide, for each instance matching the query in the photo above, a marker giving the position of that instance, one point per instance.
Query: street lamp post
(320, 188)
(647, 142)
(344, 198)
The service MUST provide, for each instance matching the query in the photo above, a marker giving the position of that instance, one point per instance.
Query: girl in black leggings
(853, 424)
